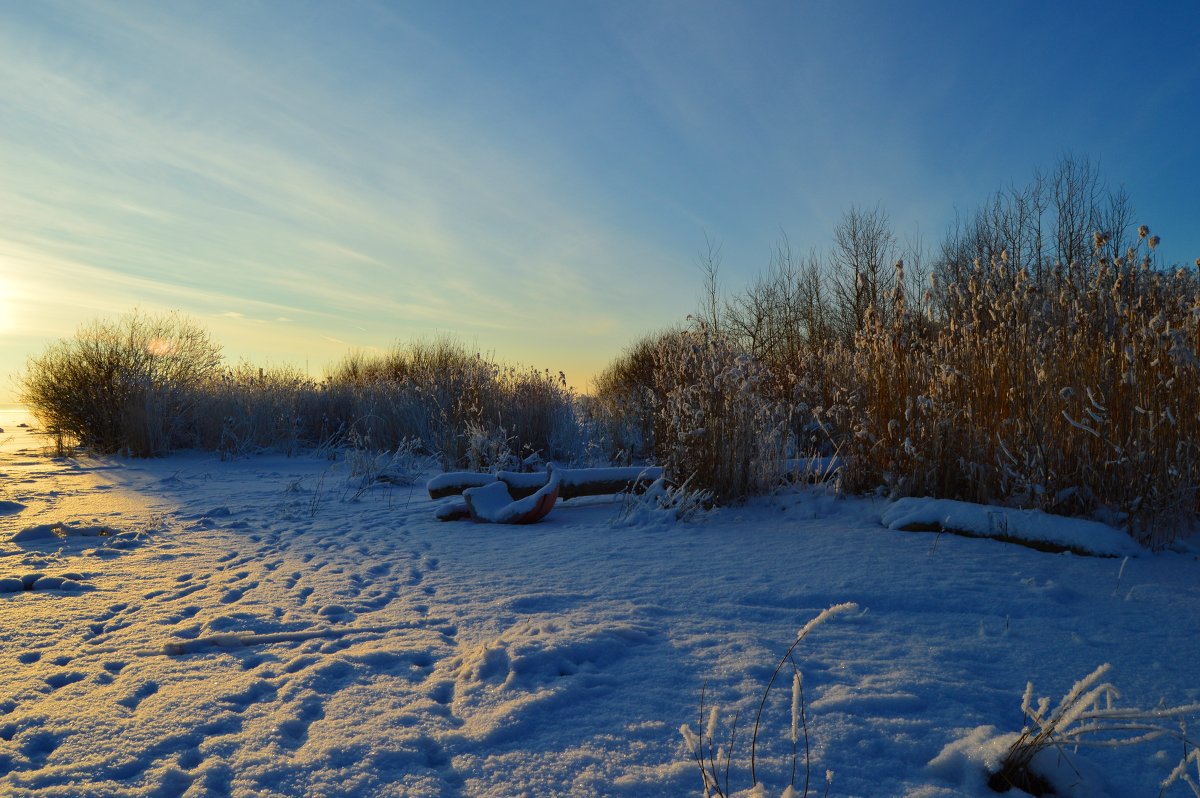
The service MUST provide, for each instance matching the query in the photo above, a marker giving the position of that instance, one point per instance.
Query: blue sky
(536, 178)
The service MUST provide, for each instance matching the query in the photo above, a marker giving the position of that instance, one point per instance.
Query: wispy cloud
(122, 190)
(374, 172)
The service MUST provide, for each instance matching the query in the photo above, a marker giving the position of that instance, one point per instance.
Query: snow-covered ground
(252, 628)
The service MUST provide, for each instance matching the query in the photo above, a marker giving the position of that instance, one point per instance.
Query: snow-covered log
(573, 481)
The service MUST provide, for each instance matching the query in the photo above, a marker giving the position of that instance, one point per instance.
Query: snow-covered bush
(128, 384)
(628, 395)
(662, 502)
(718, 430)
(464, 407)
(404, 465)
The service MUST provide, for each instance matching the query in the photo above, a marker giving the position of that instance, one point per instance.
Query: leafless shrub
(129, 384)
(146, 384)
(464, 407)
(246, 409)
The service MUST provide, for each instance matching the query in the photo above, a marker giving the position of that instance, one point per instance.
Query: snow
(1031, 526)
(252, 628)
(574, 477)
(493, 502)
(573, 482)
(452, 479)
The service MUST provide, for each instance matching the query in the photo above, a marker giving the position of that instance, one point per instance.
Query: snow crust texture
(250, 628)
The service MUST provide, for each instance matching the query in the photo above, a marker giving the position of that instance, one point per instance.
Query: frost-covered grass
(1075, 393)
(1087, 716)
(1071, 389)
(149, 385)
(715, 761)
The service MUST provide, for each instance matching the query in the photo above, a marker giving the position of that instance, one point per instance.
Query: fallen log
(572, 481)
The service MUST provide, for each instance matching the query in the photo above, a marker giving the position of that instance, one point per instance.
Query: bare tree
(916, 272)
(1116, 221)
(1042, 228)
(710, 300)
(863, 255)
(1075, 190)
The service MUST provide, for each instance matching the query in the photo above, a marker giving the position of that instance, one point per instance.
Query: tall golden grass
(1078, 394)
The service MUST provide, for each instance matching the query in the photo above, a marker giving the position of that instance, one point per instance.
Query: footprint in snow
(185, 591)
(235, 594)
(376, 600)
(70, 582)
(185, 614)
(294, 731)
(139, 695)
(442, 692)
(257, 692)
(60, 680)
(102, 624)
(380, 570)
(38, 746)
(336, 612)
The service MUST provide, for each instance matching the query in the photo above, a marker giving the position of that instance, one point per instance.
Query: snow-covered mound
(1033, 527)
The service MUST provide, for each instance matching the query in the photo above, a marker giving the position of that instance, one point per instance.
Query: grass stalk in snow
(1086, 716)
(709, 759)
(823, 616)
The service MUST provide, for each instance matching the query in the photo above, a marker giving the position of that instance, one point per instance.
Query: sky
(537, 179)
